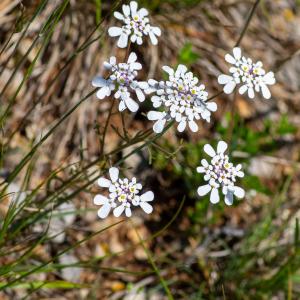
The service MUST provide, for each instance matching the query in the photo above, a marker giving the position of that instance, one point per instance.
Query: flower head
(220, 174)
(249, 74)
(123, 193)
(136, 25)
(182, 99)
(122, 80)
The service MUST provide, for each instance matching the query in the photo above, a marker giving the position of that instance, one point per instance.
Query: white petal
(126, 9)
(148, 196)
(143, 12)
(230, 59)
(114, 174)
(223, 79)
(140, 95)
(169, 70)
(103, 92)
(243, 89)
(237, 53)
(100, 200)
(181, 126)
(104, 211)
(159, 125)
(229, 87)
(128, 212)
(154, 115)
(239, 192)
(133, 7)
(118, 16)
(203, 189)
(103, 182)
(132, 58)
(115, 31)
(147, 208)
(269, 78)
(250, 93)
(265, 91)
(214, 196)
(156, 30)
(118, 210)
(181, 69)
(131, 105)
(193, 126)
(212, 106)
(229, 198)
(200, 169)
(204, 163)
(99, 81)
(209, 150)
(153, 38)
(122, 105)
(123, 40)
(222, 146)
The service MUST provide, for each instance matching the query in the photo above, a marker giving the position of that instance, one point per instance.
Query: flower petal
(159, 125)
(243, 89)
(103, 92)
(114, 174)
(214, 196)
(146, 197)
(209, 150)
(132, 58)
(228, 198)
(239, 192)
(155, 115)
(229, 87)
(103, 182)
(265, 91)
(118, 16)
(128, 212)
(104, 211)
(223, 79)
(193, 126)
(203, 189)
(237, 53)
(123, 40)
(115, 31)
(99, 81)
(230, 59)
(181, 126)
(222, 146)
(212, 106)
(100, 200)
(131, 104)
(118, 210)
(140, 95)
(147, 208)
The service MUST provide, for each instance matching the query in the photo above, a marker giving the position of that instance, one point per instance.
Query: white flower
(136, 25)
(123, 193)
(181, 99)
(250, 75)
(122, 80)
(220, 174)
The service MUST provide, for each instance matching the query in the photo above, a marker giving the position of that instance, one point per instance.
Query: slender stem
(247, 23)
(105, 128)
(151, 260)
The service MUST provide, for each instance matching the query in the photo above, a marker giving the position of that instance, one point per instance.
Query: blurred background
(50, 51)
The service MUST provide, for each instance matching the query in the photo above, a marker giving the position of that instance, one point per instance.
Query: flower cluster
(182, 99)
(123, 193)
(136, 25)
(122, 79)
(249, 74)
(220, 174)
